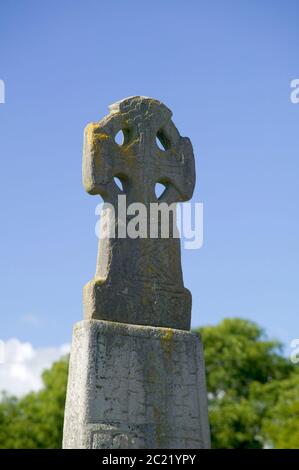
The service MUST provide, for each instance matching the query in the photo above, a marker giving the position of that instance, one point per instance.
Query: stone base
(135, 387)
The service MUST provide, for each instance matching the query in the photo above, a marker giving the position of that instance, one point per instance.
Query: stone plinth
(135, 387)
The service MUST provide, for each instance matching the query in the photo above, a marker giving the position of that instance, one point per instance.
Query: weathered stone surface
(135, 387)
(136, 378)
(139, 280)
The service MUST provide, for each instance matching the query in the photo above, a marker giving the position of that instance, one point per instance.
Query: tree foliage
(36, 420)
(253, 393)
(248, 380)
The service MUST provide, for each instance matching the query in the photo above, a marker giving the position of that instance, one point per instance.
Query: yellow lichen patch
(167, 334)
(89, 132)
(92, 136)
(103, 136)
(167, 341)
(99, 281)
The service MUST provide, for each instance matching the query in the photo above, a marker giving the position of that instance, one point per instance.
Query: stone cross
(138, 281)
(136, 376)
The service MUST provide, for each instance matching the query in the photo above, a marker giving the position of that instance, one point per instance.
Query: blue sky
(224, 68)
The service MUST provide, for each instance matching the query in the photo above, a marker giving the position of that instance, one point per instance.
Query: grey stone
(137, 377)
(135, 387)
(139, 280)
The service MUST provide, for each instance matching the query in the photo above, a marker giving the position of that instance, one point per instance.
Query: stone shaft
(138, 280)
(135, 387)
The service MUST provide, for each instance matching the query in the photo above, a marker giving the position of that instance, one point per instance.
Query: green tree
(253, 395)
(280, 425)
(243, 370)
(36, 420)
